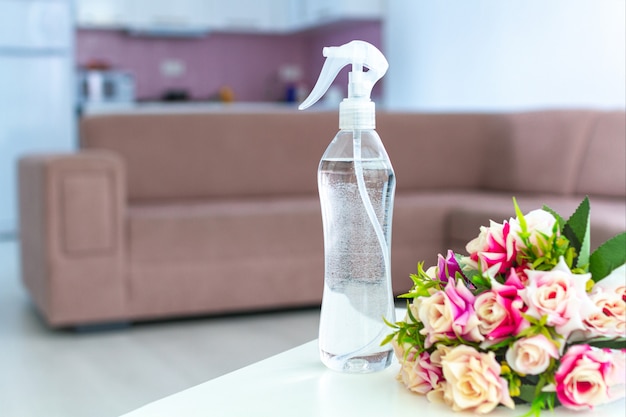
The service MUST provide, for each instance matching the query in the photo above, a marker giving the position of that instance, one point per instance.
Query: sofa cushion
(240, 254)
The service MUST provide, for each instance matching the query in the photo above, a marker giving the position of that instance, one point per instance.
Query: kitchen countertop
(190, 107)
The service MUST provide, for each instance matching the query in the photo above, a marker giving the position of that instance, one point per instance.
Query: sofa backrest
(602, 166)
(437, 151)
(222, 155)
(240, 154)
(562, 152)
(558, 152)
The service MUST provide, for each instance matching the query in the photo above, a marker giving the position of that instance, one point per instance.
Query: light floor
(107, 373)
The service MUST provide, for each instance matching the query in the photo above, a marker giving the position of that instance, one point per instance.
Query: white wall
(486, 55)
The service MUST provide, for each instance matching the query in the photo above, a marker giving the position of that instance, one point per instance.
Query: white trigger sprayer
(357, 187)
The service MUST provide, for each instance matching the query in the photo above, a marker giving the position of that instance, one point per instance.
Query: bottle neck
(357, 115)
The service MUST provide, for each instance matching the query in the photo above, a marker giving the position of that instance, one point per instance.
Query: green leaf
(576, 229)
(610, 255)
(520, 216)
(527, 393)
(388, 339)
(619, 343)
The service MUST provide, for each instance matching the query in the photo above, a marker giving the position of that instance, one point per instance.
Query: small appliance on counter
(105, 87)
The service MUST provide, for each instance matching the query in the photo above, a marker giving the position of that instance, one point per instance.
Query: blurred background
(60, 59)
(63, 59)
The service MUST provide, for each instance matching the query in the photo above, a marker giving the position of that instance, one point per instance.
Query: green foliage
(532, 392)
(576, 230)
(602, 342)
(422, 284)
(407, 332)
(513, 380)
(607, 257)
(539, 326)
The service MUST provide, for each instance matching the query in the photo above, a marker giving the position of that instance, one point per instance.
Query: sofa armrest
(72, 213)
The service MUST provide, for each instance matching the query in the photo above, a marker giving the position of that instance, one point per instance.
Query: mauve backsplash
(248, 64)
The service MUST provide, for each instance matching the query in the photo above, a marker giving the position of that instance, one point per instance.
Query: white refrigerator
(37, 90)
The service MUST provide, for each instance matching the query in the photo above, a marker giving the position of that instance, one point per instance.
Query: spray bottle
(357, 187)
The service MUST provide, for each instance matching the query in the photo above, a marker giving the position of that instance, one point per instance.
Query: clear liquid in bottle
(357, 290)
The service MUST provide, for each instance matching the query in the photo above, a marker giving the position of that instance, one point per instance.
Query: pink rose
(449, 314)
(531, 355)
(588, 377)
(418, 373)
(472, 379)
(516, 278)
(494, 248)
(499, 312)
(560, 295)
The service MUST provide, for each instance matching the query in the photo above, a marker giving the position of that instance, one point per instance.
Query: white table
(296, 383)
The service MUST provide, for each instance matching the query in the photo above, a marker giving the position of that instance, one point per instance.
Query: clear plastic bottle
(357, 282)
(357, 187)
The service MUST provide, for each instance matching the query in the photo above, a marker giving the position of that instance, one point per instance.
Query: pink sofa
(169, 215)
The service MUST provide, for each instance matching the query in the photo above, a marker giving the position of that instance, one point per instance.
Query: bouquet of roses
(530, 316)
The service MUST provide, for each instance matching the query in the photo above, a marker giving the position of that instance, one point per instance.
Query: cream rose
(449, 314)
(436, 314)
(418, 374)
(473, 381)
(489, 311)
(531, 356)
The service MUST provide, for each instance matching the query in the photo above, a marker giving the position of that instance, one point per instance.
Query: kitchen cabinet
(359, 9)
(306, 14)
(234, 16)
(166, 15)
(101, 14)
(250, 15)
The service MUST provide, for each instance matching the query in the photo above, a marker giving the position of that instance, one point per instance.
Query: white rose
(531, 356)
(431, 272)
(538, 222)
(479, 243)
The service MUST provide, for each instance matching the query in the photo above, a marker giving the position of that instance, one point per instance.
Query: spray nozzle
(358, 53)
